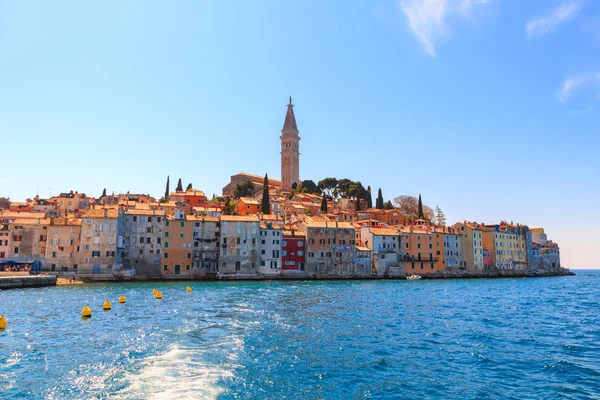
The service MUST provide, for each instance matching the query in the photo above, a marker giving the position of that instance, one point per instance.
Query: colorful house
(206, 240)
(98, 248)
(177, 247)
(293, 256)
(248, 206)
(239, 256)
(419, 250)
(63, 245)
(141, 232)
(472, 245)
(387, 250)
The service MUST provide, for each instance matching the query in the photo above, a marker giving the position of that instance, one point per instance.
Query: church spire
(290, 118)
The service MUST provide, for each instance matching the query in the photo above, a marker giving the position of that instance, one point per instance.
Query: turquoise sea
(536, 338)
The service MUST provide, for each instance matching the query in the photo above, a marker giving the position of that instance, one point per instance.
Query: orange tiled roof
(384, 231)
(206, 218)
(239, 218)
(99, 213)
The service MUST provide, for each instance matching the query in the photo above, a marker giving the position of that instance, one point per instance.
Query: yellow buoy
(2, 322)
(106, 306)
(86, 312)
(122, 299)
(189, 289)
(158, 295)
(154, 292)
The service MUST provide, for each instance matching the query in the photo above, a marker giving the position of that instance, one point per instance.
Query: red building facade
(293, 251)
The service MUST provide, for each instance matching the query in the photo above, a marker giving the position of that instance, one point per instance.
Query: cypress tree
(379, 203)
(324, 204)
(266, 202)
(421, 214)
(103, 193)
(179, 187)
(189, 187)
(369, 198)
(167, 192)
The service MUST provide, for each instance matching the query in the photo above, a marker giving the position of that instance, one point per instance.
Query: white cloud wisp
(576, 82)
(540, 26)
(428, 18)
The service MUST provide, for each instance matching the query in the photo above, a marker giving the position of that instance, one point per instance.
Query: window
(166, 255)
(421, 265)
(111, 240)
(238, 266)
(430, 245)
(273, 264)
(418, 245)
(224, 264)
(187, 267)
(166, 234)
(311, 241)
(262, 251)
(135, 218)
(181, 235)
(300, 244)
(311, 254)
(149, 219)
(95, 254)
(237, 240)
(300, 253)
(158, 219)
(167, 223)
(182, 224)
(275, 253)
(431, 265)
(284, 253)
(166, 245)
(189, 255)
(54, 254)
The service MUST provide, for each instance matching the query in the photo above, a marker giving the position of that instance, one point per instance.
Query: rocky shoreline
(438, 276)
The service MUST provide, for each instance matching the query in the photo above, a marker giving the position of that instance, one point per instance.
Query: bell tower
(290, 150)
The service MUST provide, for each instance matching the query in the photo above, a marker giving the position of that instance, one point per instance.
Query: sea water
(534, 338)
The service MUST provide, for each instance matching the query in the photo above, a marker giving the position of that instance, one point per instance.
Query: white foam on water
(177, 374)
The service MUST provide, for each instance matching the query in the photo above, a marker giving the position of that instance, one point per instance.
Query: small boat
(413, 277)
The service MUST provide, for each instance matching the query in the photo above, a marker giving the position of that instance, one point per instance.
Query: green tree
(294, 185)
(244, 189)
(228, 207)
(369, 197)
(189, 187)
(266, 202)
(167, 193)
(103, 193)
(440, 216)
(420, 215)
(179, 187)
(324, 204)
(379, 202)
(388, 205)
(308, 186)
(329, 187)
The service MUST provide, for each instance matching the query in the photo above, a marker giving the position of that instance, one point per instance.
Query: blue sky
(489, 108)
